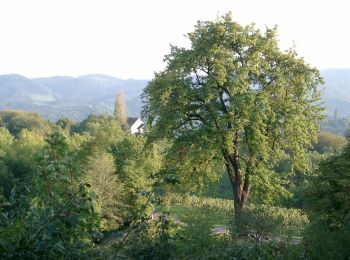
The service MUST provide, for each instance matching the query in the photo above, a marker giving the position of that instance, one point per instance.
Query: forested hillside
(337, 91)
(75, 98)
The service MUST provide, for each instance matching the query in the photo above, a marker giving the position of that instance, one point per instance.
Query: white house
(136, 125)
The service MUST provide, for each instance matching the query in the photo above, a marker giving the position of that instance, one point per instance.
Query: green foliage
(259, 221)
(152, 240)
(6, 140)
(295, 179)
(92, 123)
(16, 121)
(7, 181)
(328, 194)
(21, 156)
(59, 229)
(6, 177)
(191, 165)
(201, 232)
(267, 250)
(328, 244)
(194, 237)
(329, 143)
(234, 99)
(53, 217)
(120, 113)
(328, 201)
(66, 124)
(110, 193)
(259, 218)
(269, 187)
(136, 166)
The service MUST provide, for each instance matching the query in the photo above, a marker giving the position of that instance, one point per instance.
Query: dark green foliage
(7, 180)
(136, 166)
(39, 228)
(329, 191)
(328, 201)
(15, 121)
(20, 158)
(328, 244)
(268, 250)
(92, 122)
(152, 239)
(110, 203)
(66, 124)
(53, 215)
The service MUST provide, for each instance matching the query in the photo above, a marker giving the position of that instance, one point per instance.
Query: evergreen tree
(120, 110)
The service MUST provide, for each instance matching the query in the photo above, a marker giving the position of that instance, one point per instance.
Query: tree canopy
(328, 203)
(15, 121)
(235, 98)
(120, 110)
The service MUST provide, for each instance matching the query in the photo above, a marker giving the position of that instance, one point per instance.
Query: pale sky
(128, 39)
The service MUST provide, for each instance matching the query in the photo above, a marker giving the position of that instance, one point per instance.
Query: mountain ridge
(75, 97)
(64, 96)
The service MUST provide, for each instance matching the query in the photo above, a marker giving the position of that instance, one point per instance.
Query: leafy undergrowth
(269, 220)
(201, 228)
(195, 237)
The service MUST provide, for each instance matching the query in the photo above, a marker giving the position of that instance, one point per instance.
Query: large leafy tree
(235, 97)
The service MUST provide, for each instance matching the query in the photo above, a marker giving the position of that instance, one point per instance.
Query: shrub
(328, 201)
(53, 216)
(110, 193)
(259, 219)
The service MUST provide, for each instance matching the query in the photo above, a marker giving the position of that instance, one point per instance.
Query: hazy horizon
(116, 76)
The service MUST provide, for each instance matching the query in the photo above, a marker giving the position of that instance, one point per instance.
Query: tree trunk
(240, 191)
(234, 170)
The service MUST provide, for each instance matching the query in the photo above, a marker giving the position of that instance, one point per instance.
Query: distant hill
(337, 91)
(76, 97)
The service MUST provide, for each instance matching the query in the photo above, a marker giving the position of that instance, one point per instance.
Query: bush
(110, 193)
(327, 244)
(53, 216)
(259, 219)
(328, 201)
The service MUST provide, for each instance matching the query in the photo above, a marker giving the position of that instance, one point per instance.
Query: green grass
(218, 212)
(212, 217)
